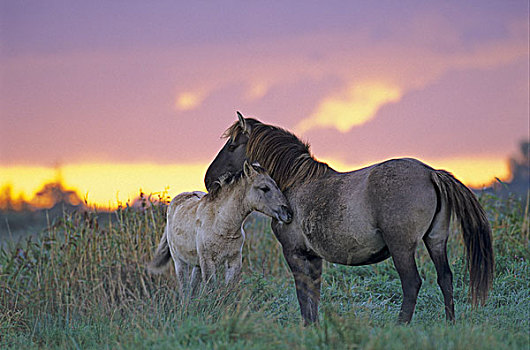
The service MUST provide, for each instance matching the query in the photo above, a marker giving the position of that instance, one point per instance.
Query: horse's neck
(304, 169)
(233, 209)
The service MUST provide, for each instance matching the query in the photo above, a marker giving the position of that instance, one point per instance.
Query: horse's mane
(287, 159)
(228, 180)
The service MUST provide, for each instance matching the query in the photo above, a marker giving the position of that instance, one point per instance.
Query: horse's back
(185, 197)
(402, 196)
(343, 216)
(181, 225)
(373, 192)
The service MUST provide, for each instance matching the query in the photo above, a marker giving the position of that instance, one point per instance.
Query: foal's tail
(475, 229)
(162, 256)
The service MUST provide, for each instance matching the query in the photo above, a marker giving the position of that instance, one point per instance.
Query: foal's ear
(243, 123)
(248, 170)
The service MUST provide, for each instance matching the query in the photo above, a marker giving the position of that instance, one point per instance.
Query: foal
(205, 230)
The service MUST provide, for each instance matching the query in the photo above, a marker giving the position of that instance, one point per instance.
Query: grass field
(82, 284)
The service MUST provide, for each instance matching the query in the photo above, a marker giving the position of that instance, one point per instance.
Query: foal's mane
(229, 180)
(287, 159)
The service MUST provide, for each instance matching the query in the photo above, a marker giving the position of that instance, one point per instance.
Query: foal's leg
(233, 269)
(208, 266)
(206, 251)
(195, 279)
(208, 270)
(182, 272)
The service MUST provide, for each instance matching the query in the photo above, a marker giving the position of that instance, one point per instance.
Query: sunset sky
(123, 95)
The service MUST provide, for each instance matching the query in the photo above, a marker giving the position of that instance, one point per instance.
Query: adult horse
(362, 217)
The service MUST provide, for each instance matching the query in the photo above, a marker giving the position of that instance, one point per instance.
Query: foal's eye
(265, 189)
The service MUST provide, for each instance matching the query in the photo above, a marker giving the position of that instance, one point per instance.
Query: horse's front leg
(233, 269)
(206, 252)
(307, 272)
(195, 280)
(208, 267)
(208, 270)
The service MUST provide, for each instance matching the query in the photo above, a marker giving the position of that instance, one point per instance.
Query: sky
(117, 96)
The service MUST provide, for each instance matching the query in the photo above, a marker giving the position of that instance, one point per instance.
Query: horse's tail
(476, 231)
(162, 256)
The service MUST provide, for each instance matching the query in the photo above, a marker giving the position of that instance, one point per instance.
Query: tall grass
(83, 284)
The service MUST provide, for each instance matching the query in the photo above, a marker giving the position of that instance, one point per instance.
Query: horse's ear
(248, 170)
(243, 123)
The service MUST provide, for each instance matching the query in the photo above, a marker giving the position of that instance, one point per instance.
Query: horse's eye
(232, 148)
(265, 189)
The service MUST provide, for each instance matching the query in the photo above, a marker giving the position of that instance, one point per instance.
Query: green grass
(83, 284)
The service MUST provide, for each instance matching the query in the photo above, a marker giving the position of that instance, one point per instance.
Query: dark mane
(229, 180)
(286, 158)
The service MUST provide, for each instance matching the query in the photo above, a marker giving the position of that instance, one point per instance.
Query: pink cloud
(461, 113)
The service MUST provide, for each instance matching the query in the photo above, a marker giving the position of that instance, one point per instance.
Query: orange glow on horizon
(476, 172)
(106, 185)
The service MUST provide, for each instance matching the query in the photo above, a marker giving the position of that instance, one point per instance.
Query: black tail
(162, 256)
(475, 229)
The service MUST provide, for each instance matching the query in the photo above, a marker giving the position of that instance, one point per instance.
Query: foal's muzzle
(285, 214)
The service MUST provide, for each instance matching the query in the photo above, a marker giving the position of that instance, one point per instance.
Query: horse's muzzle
(285, 214)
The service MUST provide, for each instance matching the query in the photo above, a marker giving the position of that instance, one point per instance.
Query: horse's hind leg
(438, 254)
(182, 272)
(436, 243)
(410, 281)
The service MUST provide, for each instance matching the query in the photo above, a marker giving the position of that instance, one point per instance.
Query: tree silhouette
(520, 166)
(55, 193)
